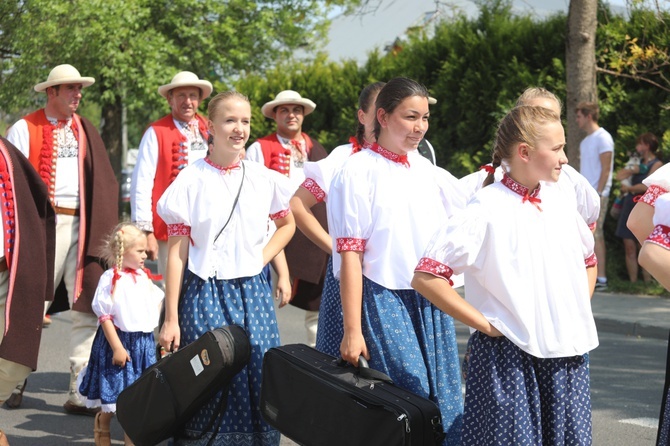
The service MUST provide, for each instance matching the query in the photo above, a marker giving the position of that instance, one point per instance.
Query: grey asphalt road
(626, 377)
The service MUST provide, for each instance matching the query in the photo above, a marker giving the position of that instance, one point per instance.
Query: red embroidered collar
(400, 159)
(356, 146)
(522, 190)
(222, 169)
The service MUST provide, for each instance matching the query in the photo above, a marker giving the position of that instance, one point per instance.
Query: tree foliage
(133, 46)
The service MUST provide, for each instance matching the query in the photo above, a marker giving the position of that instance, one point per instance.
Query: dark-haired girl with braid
(318, 177)
(127, 304)
(384, 204)
(528, 260)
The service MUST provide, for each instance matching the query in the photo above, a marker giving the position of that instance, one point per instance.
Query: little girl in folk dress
(127, 304)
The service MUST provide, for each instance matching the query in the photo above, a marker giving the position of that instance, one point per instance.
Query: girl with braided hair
(527, 256)
(127, 304)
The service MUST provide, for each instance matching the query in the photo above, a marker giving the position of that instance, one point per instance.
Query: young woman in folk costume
(383, 206)
(313, 190)
(217, 211)
(528, 260)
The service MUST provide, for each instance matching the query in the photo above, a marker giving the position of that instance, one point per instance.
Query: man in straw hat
(67, 152)
(168, 145)
(286, 151)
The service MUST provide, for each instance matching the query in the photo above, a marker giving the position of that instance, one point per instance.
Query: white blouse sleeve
(588, 200)
(102, 300)
(174, 205)
(456, 246)
(453, 193)
(662, 210)
(349, 209)
(283, 191)
(661, 178)
(254, 153)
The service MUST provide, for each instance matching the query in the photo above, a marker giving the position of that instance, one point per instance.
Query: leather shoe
(74, 409)
(16, 398)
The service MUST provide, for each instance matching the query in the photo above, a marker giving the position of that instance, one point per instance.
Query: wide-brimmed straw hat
(64, 74)
(287, 97)
(187, 79)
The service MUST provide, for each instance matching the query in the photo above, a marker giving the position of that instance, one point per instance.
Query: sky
(353, 37)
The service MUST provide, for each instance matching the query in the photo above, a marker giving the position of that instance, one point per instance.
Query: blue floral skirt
(414, 343)
(330, 329)
(209, 304)
(513, 397)
(101, 381)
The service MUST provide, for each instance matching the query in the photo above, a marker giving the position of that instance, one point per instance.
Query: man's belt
(66, 211)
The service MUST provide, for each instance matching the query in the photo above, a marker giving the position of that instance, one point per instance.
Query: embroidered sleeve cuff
(435, 268)
(146, 226)
(179, 229)
(650, 196)
(591, 261)
(314, 189)
(105, 317)
(660, 236)
(280, 214)
(351, 244)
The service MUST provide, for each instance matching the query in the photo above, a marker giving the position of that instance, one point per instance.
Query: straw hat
(186, 79)
(64, 74)
(287, 97)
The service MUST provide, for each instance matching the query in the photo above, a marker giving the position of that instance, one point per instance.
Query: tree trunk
(580, 57)
(111, 132)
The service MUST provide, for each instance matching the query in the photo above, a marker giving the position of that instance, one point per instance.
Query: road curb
(634, 328)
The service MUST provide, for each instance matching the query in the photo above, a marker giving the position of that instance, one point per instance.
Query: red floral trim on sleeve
(314, 189)
(660, 236)
(280, 214)
(105, 317)
(435, 268)
(351, 244)
(591, 260)
(650, 196)
(179, 229)
(593, 226)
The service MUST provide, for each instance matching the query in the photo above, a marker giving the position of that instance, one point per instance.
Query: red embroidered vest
(172, 158)
(272, 148)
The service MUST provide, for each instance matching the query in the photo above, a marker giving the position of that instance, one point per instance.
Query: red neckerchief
(134, 273)
(523, 191)
(400, 159)
(222, 169)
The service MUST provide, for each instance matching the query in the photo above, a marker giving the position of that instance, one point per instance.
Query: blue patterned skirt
(209, 304)
(414, 343)
(101, 381)
(331, 326)
(512, 397)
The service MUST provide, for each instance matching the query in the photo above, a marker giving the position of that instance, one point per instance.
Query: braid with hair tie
(496, 161)
(119, 249)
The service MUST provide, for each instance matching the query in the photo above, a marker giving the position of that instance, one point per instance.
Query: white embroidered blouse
(198, 203)
(388, 207)
(136, 303)
(524, 257)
